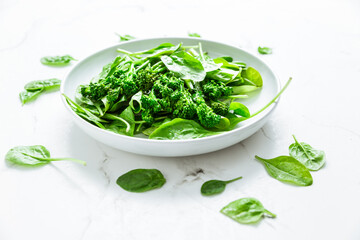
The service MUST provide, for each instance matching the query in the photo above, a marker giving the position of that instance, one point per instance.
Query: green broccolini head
(206, 116)
(220, 108)
(145, 79)
(214, 90)
(128, 85)
(185, 106)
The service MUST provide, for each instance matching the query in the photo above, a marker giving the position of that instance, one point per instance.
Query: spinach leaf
(122, 124)
(287, 169)
(57, 60)
(246, 211)
(47, 84)
(141, 180)
(240, 109)
(226, 64)
(264, 50)
(253, 76)
(36, 155)
(125, 37)
(85, 113)
(213, 187)
(185, 65)
(194, 35)
(27, 96)
(312, 159)
(135, 102)
(180, 129)
(223, 74)
(35, 88)
(207, 62)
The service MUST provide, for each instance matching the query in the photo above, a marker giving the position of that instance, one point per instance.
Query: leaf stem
(68, 159)
(270, 214)
(233, 180)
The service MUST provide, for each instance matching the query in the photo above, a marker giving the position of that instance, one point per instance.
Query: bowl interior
(86, 69)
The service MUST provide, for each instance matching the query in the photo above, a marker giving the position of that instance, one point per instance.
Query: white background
(315, 42)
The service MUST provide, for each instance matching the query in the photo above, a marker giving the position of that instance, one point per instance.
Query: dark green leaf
(264, 50)
(56, 60)
(287, 169)
(194, 35)
(36, 155)
(213, 187)
(122, 124)
(179, 129)
(253, 76)
(48, 84)
(185, 65)
(312, 159)
(246, 211)
(141, 180)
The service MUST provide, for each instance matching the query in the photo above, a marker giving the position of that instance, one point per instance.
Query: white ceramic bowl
(92, 65)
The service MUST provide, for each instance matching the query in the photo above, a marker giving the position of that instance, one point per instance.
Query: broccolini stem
(274, 99)
(142, 66)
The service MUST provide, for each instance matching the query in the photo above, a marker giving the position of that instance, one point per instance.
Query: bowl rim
(253, 120)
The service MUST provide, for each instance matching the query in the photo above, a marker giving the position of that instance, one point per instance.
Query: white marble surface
(315, 42)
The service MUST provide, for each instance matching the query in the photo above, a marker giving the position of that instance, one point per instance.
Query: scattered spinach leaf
(36, 155)
(125, 37)
(264, 50)
(141, 180)
(35, 88)
(213, 187)
(312, 159)
(194, 35)
(57, 60)
(246, 211)
(287, 169)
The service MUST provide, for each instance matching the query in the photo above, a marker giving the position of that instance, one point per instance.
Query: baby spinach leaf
(57, 60)
(222, 74)
(194, 35)
(125, 37)
(47, 84)
(122, 124)
(180, 129)
(185, 65)
(207, 62)
(312, 159)
(240, 109)
(226, 64)
(287, 169)
(35, 88)
(213, 187)
(253, 76)
(246, 211)
(135, 102)
(264, 50)
(36, 155)
(27, 96)
(141, 180)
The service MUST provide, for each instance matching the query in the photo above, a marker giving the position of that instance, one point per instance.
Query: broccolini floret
(214, 90)
(220, 108)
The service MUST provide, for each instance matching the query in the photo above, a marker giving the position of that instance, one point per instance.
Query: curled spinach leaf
(312, 159)
(141, 180)
(246, 211)
(35, 88)
(287, 169)
(57, 60)
(36, 155)
(125, 37)
(213, 187)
